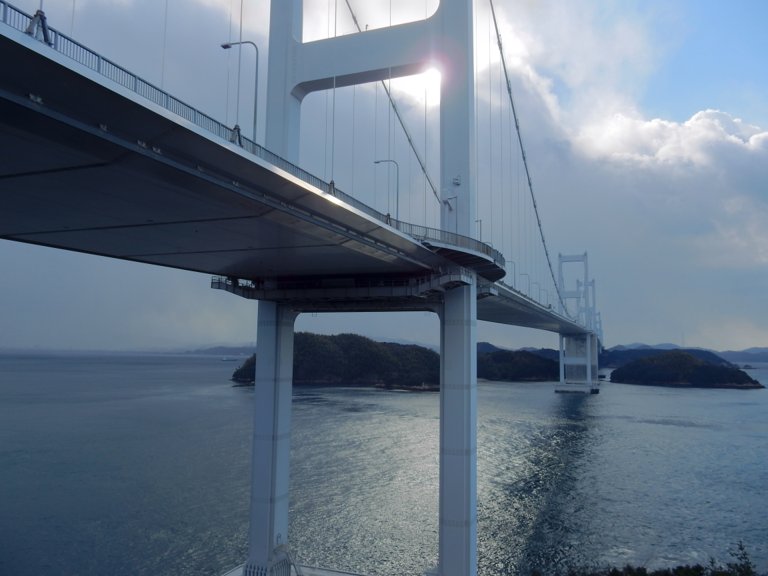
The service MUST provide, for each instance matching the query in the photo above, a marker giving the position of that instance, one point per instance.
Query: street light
(397, 188)
(227, 46)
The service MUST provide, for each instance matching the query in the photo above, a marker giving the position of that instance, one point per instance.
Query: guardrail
(65, 45)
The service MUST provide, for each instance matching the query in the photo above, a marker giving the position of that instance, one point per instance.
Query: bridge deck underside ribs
(89, 170)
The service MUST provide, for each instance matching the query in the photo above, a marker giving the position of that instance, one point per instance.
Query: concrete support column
(458, 433)
(562, 359)
(271, 442)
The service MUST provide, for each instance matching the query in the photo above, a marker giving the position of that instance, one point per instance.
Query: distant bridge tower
(579, 352)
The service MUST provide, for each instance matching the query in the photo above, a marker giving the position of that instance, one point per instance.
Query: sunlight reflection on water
(141, 466)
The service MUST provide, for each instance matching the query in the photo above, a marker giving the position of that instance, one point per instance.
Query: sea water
(133, 465)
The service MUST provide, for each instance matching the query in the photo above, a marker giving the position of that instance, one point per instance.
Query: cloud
(668, 210)
(708, 138)
(739, 238)
(704, 176)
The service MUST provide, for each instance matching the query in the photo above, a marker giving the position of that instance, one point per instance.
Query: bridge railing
(65, 45)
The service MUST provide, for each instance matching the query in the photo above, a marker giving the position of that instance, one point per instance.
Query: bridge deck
(92, 169)
(91, 165)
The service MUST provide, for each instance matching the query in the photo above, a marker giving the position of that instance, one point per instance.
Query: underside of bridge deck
(89, 169)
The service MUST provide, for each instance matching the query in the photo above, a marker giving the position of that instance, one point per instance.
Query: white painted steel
(455, 22)
(579, 352)
(270, 467)
(444, 41)
(458, 433)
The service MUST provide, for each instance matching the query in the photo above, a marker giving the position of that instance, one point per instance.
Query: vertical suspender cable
(399, 117)
(376, 140)
(426, 147)
(239, 62)
(490, 134)
(333, 103)
(325, 96)
(72, 21)
(165, 44)
(333, 128)
(502, 176)
(354, 105)
(389, 127)
(229, 60)
(476, 112)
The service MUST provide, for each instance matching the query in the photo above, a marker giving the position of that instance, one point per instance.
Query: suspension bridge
(98, 160)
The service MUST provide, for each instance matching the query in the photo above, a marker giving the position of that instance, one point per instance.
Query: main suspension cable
(525, 159)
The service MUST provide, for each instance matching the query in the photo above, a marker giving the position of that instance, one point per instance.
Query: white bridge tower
(579, 352)
(443, 41)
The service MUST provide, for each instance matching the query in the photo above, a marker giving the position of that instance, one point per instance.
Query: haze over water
(140, 465)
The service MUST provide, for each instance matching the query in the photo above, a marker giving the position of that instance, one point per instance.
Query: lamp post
(227, 46)
(397, 188)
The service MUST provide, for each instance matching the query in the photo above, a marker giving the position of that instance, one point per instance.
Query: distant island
(620, 355)
(517, 366)
(352, 360)
(681, 369)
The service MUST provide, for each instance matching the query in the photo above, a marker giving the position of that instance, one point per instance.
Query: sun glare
(420, 87)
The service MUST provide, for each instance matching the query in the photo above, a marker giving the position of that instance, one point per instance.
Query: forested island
(352, 360)
(680, 369)
(620, 355)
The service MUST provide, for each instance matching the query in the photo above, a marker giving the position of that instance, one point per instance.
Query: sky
(645, 124)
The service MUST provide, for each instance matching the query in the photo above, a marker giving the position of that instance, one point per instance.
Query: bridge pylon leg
(578, 363)
(268, 534)
(458, 433)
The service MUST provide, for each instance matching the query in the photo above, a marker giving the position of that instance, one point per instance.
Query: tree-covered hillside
(616, 357)
(516, 366)
(678, 368)
(352, 360)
